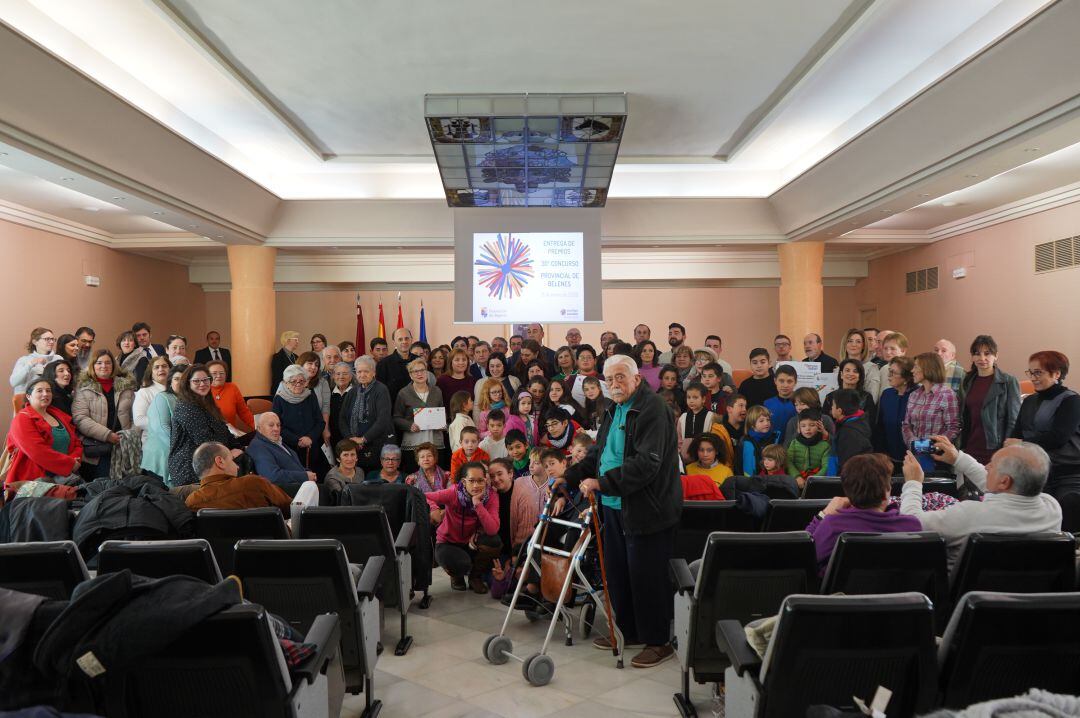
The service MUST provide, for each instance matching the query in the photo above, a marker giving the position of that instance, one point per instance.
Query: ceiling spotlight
(949, 204)
(221, 236)
(90, 209)
(118, 197)
(156, 212)
(1031, 149)
(971, 176)
(67, 179)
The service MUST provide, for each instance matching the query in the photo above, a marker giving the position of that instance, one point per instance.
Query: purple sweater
(826, 531)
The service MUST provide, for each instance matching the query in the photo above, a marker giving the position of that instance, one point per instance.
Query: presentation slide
(528, 277)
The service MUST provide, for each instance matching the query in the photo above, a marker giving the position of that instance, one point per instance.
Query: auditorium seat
(1031, 563)
(158, 559)
(740, 375)
(224, 527)
(822, 487)
(1003, 644)
(742, 577)
(301, 579)
(864, 563)
(827, 649)
(792, 514)
(365, 532)
(46, 568)
(230, 666)
(701, 518)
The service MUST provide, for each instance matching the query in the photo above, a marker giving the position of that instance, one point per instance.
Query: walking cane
(603, 577)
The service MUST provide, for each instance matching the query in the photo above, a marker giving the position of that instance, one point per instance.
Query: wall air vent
(1059, 254)
(921, 280)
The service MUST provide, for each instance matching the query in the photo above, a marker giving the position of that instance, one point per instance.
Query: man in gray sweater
(1014, 501)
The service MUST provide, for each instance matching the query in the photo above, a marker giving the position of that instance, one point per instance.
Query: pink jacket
(459, 527)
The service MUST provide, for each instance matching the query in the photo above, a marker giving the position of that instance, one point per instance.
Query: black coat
(278, 363)
(380, 427)
(203, 357)
(853, 437)
(41, 518)
(392, 371)
(138, 507)
(648, 480)
(401, 503)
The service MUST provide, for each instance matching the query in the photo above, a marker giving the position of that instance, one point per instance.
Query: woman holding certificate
(410, 418)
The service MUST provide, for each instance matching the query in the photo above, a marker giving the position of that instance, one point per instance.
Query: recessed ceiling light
(221, 236)
(971, 176)
(656, 246)
(3, 154)
(67, 179)
(119, 197)
(158, 213)
(1031, 149)
(925, 194)
(91, 209)
(949, 204)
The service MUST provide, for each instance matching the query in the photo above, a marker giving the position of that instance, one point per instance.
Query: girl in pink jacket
(468, 535)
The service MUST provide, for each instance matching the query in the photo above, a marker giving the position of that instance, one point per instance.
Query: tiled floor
(444, 674)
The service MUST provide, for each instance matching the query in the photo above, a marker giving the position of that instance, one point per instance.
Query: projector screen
(527, 266)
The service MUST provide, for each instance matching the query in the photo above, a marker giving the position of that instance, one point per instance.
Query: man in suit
(479, 368)
(141, 330)
(213, 351)
(274, 460)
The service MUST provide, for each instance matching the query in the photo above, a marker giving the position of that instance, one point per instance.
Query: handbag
(7, 459)
(94, 449)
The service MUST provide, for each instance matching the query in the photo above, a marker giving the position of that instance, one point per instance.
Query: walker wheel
(497, 648)
(538, 669)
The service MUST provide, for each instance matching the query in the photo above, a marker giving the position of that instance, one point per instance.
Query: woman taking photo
(991, 402)
(1051, 418)
(301, 416)
(932, 408)
(101, 409)
(648, 360)
(61, 377)
(157, 438)
(41, 347)
(889, 436)
(42, 441)
(856, 347)
(458, 378)
(195, 421)
(410, 400)
(153, 384)
(851, 376)
(366, 414)
(230, 402)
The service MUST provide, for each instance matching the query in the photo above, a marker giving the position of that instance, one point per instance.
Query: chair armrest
(405, 537)
(731, 639)
(369, 577)
(325, 633)
(680, 575)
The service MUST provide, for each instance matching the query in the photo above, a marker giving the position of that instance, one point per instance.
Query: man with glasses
(782, 345)
(634, 465)
(86, 337)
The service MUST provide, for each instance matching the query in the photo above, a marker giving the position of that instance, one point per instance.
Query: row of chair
(826, 487)
(825, 650)
(746, 576)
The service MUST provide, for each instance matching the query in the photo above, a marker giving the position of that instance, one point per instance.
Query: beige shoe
(652, 656)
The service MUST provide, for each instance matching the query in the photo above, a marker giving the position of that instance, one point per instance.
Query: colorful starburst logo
(505, 266)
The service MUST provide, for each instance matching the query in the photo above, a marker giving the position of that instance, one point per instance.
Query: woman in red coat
(42, 440)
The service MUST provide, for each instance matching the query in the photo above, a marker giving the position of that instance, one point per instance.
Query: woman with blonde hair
(285, 356)
(411, 399)
(855, 346)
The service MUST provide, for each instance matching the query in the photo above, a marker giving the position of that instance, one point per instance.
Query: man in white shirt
(1014, 501)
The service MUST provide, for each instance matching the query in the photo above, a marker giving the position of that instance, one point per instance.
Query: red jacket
(697, 487)
(30, 441)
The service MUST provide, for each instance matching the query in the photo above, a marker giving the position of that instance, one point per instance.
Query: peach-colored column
(802, 300)
(254, 321)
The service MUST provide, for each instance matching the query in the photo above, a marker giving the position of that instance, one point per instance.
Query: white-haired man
(954, 373)
(634, 465)
(1014, 501)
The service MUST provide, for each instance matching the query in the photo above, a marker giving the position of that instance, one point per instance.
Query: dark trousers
(637, 579)
(461, 561)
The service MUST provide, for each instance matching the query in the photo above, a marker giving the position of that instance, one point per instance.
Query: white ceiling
(323, 100)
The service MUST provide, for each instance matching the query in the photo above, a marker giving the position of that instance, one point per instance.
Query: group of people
(626, 422)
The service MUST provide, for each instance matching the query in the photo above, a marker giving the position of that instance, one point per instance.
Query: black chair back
(228, 665)
(363, 531)
(792, 514)
(890, 563)
(224, 527)
(744, 577)
(1003, 644)
(827, 649)
(1029, 563)
(701, 518)
(822, 487)
(158, 559)
(46, 568)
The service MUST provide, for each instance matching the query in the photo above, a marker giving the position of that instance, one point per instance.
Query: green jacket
(803, 460)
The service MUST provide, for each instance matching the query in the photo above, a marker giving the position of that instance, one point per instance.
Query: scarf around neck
(106, 384)
(285, 393)
(465, 498)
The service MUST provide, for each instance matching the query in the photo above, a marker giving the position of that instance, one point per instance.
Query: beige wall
(42, 276)
(743, 317)
(1001, 294)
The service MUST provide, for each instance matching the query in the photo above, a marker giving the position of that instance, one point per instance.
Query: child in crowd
(580, 446)
(730, 429)
(773, 460)
(712, 376)
(517, 450)
(429, 476)
(527, 419)
(345, 472)
(760, 385)
(538, 390)
(697, 419)
(853, 432)
(494, 444)
(595, 402)
(559, 430)
(492, 397)
(539, 475)
(782, 407)
(808, 453)
(461, 406)
(669, 381)
(806, 397)
(893, 344)
(470, 451)
(710, 458)
(558, 396)
(463, 544)
(759, 434)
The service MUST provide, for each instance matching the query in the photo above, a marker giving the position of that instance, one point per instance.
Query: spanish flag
(382, 323)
